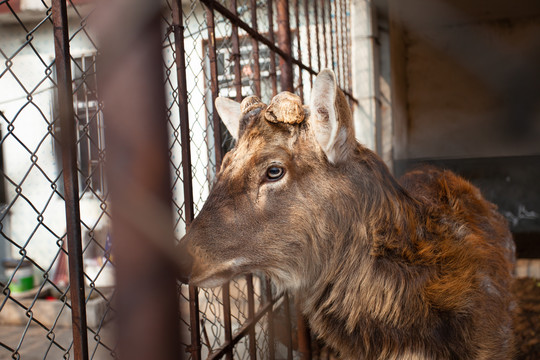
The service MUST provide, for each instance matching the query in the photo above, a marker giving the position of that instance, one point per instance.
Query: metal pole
(317, 42)
(332, 32)
(139, 176)
(214, 81)
(344, 50)
(227, 318)
(251, 315)
(338, 37)
(298, 46)
(287, 310)
(71, 181)
(255, 46)
(308, 32)
(273, 70)
(323, 20)
(236, 55)
(284, 43)
(271, 335)
(178, 28)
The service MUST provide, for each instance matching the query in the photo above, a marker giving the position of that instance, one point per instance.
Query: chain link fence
(230, 48)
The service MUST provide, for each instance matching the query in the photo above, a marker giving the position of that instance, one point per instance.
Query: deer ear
(323, 116)
(230, 113)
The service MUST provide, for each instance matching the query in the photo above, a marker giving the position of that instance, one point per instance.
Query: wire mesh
(37, 322)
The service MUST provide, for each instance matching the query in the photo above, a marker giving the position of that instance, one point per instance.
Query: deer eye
(274, 173)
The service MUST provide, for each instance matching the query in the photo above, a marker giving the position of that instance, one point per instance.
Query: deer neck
(368, 278)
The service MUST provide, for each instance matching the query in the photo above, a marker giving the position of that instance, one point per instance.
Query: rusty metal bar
(338, 48)
(255, 47)
(257, 81)
(242, 332)
(271, 335)
(349, 49)
(71, 181)
(214, 80)
(273, 69)
(251, 315)
(139, 178)
(308, 32)
(284, 43)
(238, 87)
(236, 55)
(298, 48)
(332, 14)
(323, 18)
(288, 335)
(343, 45)
(304, 338)
(287, 83)
(317, 34)
(227, 319)
(178, 28)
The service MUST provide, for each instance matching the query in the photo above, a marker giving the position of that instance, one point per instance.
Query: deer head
(265, 211)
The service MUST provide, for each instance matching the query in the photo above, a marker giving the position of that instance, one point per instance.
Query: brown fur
(416, 269)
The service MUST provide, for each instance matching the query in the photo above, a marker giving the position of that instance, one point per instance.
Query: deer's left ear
(330, 117)
(230, 113)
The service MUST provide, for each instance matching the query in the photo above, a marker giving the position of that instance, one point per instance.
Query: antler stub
(285, 107)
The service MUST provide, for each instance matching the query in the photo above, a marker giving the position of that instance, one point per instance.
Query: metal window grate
(229, 48)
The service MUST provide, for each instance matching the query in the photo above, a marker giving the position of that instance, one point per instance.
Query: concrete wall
(466, 96)
(471, 78)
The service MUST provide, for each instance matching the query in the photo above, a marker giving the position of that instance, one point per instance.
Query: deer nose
(184, 261)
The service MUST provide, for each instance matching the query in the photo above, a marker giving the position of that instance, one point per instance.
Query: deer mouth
(210, 276)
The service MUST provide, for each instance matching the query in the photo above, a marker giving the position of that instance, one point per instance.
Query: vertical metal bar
(287, 83)
(227, 317)
(273, 70)
(332, 14)
(214, 82)
(210, 20)
(308, 32)
(271, 335)
(341, 10)
(338, 37)
(139, 177)
(298, 48)
(284, 43)
(323, 20)
(195, 347)
(257, 81)
(317, 36)
(304, 339)
(288, 335)
(255, 46)
(178, 28)
(71, 182)
(238, 87)
(348, 45)
(236, 55)
(251, 315)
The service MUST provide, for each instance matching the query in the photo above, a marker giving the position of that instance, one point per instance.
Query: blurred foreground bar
(138, 169)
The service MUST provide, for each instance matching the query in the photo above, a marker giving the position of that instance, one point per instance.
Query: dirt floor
(527, 325)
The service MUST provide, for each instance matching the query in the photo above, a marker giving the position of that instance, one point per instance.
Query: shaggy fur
(415, 269)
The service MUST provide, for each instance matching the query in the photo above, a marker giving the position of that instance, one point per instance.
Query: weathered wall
(466, 96)
(472, 78)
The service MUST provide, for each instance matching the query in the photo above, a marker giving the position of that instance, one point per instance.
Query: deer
(408, 269)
